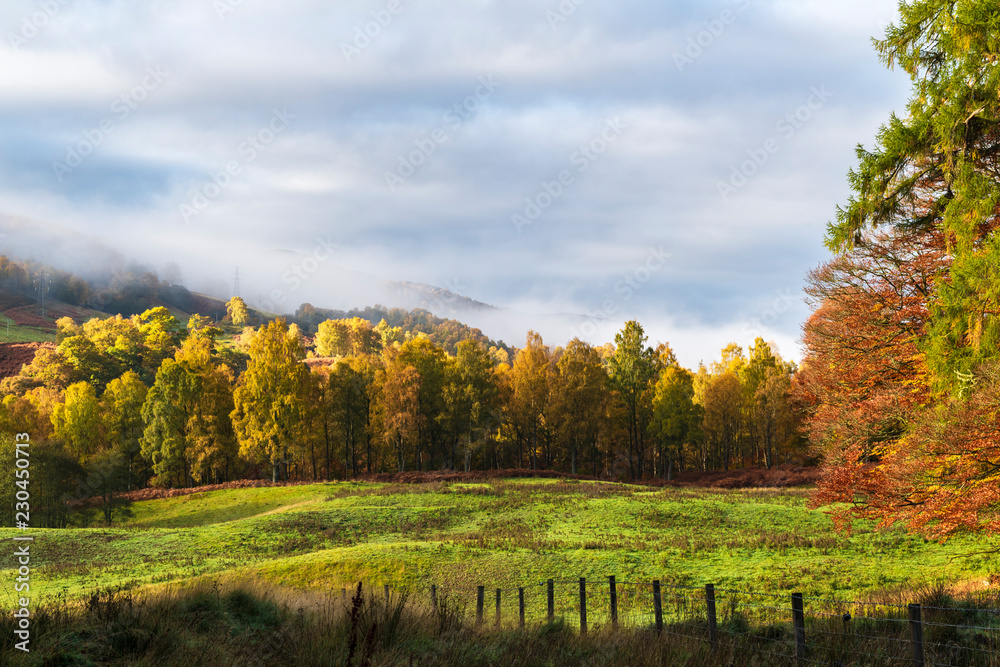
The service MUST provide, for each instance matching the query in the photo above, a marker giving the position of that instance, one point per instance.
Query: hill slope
(500, 534)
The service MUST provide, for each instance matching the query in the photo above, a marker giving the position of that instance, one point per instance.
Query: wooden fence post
(434, 596)
(583, 606)
(552, 600)
(520, 604)
(799, 619)
(614, 601)
(498, 608)
(658, 605)
(917, 635)
(713, 630)
(480, 599)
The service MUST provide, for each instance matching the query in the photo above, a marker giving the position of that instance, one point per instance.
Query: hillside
(137, 289)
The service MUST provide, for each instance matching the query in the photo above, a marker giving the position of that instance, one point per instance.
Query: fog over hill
(279, 280)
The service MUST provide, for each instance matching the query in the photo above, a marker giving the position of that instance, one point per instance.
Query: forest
(147, 400)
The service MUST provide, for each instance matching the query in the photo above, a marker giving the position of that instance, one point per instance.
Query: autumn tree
(121, 414)
(188, 435)
(77, 421)
(333, 338)
(579, 396)
(774, 416)
(322, 421)
(906, 314)
(530, 381)
(351, 385)
(399, 412)
(87, 362)
(429, 361)
(269, 401)
(471, 399)
(632, 369)
(677, 419)
(238, 312)
(724, 420)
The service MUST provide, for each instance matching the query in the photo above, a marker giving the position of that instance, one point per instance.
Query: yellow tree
(238, 311)
(398, 407)
(632, 369)
(676, 417)
(270, 401)
(333, 339)
(364, 338)
(530, 377)
(578, 399)
(77, 421)
(430, 362)
(121, 413)
(188, 433)
(321, 416)
(723, 424)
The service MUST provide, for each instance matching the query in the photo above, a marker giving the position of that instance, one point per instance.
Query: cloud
(410, 75)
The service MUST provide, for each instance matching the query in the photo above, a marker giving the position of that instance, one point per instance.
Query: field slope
(500, 534)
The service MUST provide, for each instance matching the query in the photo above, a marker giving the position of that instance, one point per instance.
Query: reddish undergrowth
(13, 356)
(778, 477)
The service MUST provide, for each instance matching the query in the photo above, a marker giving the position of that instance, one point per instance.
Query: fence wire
(755, 626)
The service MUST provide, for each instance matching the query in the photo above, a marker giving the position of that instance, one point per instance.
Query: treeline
(446, 333)
(145, 400)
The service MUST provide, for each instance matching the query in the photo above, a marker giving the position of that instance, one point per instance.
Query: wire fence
(779, 629)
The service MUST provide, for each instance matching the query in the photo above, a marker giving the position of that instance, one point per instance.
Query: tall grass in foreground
(248, 624)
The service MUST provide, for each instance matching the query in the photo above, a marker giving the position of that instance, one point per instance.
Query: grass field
(501, 534)
(255, 576)
(20, 334)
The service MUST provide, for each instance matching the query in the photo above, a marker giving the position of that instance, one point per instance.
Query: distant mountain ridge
(437, 299)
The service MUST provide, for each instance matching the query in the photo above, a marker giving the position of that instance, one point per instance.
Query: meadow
(500, 534)
(267, 575)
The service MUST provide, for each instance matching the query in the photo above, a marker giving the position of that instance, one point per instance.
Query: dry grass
(231, 621)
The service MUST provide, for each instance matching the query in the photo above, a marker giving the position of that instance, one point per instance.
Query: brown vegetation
(13, 356)
(778, 477)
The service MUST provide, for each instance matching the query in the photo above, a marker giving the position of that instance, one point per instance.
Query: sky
(576, 163)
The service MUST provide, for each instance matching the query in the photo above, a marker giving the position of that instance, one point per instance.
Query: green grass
(503, 534)
(19, 334)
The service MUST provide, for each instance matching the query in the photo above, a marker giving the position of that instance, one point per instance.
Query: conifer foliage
(899, 382)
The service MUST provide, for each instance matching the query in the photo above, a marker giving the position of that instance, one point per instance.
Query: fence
(781, 629)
